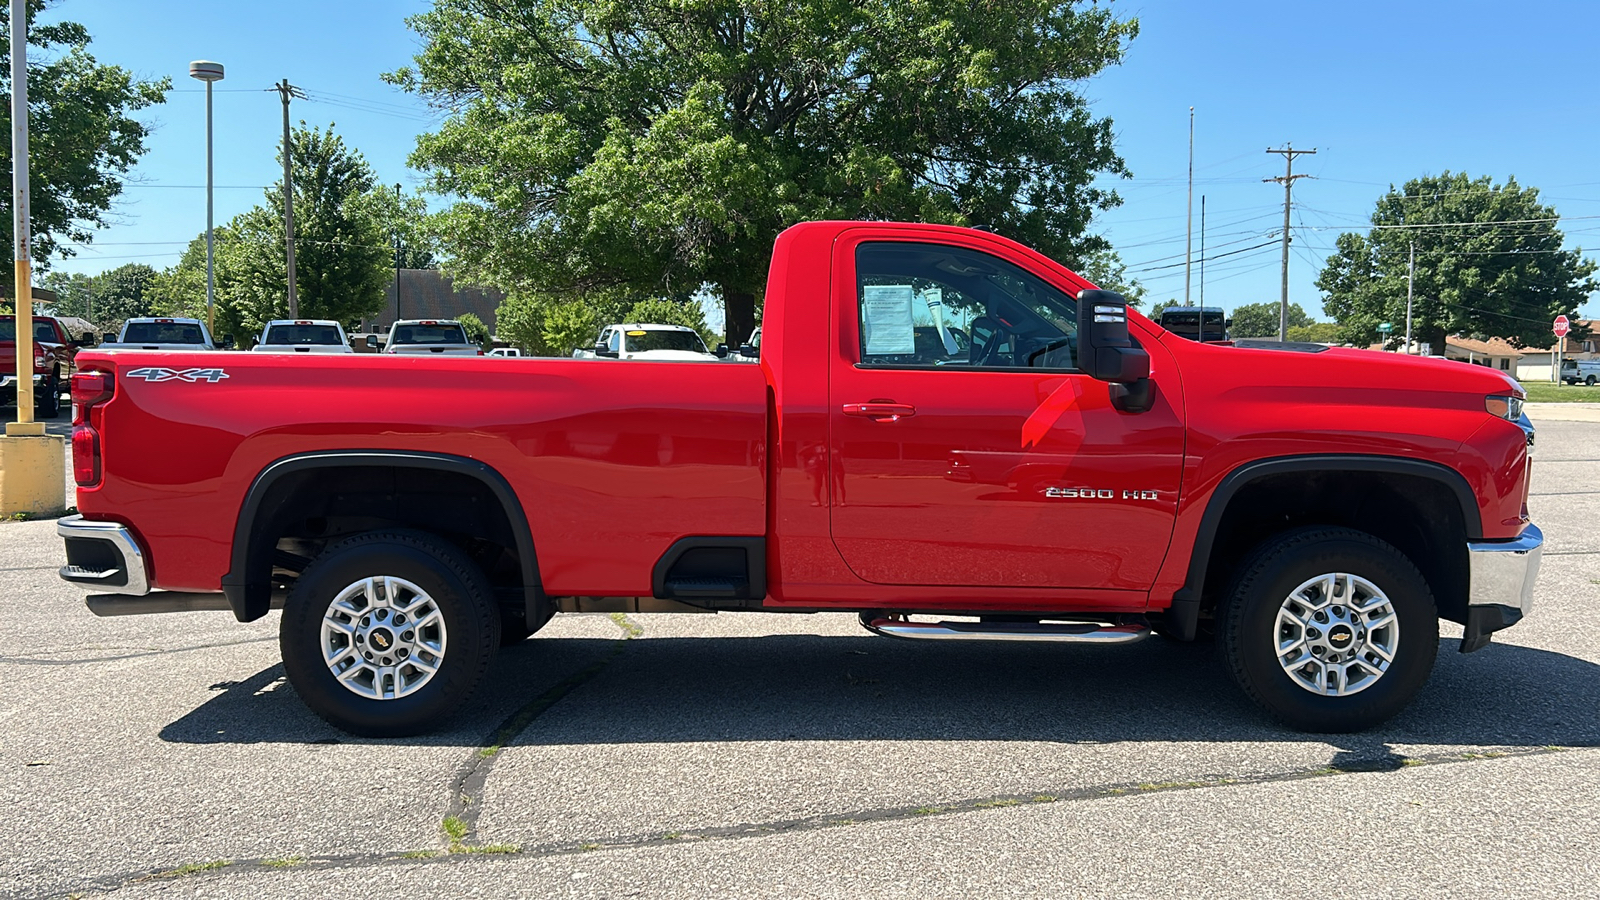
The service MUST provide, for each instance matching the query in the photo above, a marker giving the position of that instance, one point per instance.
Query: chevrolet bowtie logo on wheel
(157, 375)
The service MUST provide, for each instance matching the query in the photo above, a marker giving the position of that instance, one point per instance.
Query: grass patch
(419, 854)
(627, 624)
(589, 847)
(195, 868)
(1044, 798)
(927, 810)
(453, 828)
(993, 804)
(1545, 392)
(285, 862)
(1408, 761)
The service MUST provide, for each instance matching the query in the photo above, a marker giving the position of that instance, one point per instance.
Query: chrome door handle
(879, 411)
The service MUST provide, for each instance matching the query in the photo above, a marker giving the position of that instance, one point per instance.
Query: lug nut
(387, 661)
(368, 655)
(366, 620)
(409, 636)
(361, 639)
(1313, 634)
(404, 653)
(383, 614)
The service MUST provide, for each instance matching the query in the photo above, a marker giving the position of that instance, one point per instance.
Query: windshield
(639, 341)
(42, 332)
(280, 335)
(1194, 323)
(429, 334)
(162, 333)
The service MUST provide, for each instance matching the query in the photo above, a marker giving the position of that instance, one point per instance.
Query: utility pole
(1188, 241)
(1411, 276)
(400, 210)
(289, 92)
(1288, 179)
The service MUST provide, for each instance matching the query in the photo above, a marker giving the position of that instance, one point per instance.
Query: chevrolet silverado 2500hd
(948, 433)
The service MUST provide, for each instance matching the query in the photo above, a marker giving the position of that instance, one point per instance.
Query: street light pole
(210, 73)
(20, 220)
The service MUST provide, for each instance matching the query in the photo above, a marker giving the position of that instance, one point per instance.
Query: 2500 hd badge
(1070, 493)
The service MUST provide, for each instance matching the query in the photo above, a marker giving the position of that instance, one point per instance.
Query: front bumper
(1502, 574)
(103, 555)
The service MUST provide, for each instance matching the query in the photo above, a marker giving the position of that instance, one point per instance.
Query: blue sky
(1385, 91)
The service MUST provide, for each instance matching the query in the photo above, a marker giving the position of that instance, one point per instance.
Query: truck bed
(613, 463)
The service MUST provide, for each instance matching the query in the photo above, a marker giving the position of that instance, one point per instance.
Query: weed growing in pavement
(419, 854)
(488, 848)
(588, 847)
(284, 862)
(454, 829)
(194, 868)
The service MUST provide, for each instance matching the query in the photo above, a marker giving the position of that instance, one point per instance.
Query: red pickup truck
(948, 433)
(53, 352)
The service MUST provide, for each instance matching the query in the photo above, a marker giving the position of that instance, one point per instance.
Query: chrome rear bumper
(103, 555)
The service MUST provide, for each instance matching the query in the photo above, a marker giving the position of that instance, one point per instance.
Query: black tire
(1589, 381)
(48, 399)
(457, 587)
(1250, 628)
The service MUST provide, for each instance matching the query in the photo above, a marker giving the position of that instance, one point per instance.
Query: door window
(936, 306)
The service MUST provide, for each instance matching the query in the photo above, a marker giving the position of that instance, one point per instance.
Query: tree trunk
(1435, 339)
(738, 315)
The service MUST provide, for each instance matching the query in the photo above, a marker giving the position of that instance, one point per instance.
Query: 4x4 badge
(190, 376)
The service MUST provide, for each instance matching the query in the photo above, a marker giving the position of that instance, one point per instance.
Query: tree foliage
(649, 147)
(82, 137)
(1106, 269)
(342, 257)
(1261, 319)
(1489, 261)
(477, 332)
(107, 299)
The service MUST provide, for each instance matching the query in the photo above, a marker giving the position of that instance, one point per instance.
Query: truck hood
(669, 355)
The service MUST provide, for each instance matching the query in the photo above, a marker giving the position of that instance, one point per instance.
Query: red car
(53, 353)
(943, 424)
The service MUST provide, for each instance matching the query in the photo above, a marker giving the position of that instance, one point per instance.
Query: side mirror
(749, 351)
(1107, 352)
(84, 341)
(722, 351)
(372, 342)
(603, 350)
(108, 338)
(227, 342)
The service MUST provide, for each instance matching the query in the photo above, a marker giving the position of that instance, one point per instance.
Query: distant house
(1535, 363)
(1495, 353)
(430, 294)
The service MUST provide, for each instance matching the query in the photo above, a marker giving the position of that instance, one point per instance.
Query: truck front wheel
(1330, 629)
(388, 632)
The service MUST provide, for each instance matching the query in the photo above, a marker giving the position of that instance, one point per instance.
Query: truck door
(966, 448)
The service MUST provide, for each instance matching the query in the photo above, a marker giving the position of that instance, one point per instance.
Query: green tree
(477, 332)
(1316, 332)
(74, 293)
(405, 218)
(1105, 268)
(82, 137)
(1489, 261)
(1155, 311)
(342, 257)
(181, 289)
(1261, 319)
(545, 326)
(654, 146)
(122, 294)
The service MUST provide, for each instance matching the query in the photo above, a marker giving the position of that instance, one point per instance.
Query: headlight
(1508, 408)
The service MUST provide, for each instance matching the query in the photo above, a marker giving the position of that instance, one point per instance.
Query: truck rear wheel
(1330, 629)
(387, 633)
(47, 400)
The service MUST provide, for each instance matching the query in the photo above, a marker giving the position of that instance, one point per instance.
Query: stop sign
(1562, 326)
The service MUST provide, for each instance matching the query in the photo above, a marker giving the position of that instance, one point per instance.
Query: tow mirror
(372, 342)
(749, 351)
(108, 338)
(603, 350)
(83, 341)
(227, 342)
(722, 351)
(1108, 353)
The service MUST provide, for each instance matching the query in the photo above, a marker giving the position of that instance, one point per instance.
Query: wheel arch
(248, 584)
(1450, 494)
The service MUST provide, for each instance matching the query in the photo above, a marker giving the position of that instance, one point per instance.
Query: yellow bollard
(33, 471)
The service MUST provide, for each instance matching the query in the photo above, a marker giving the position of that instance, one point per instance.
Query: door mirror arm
(1107, 352)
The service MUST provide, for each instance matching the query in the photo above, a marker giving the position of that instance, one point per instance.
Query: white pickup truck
(445, 337)
(160, 333)
(646, 341)
(1586, 371)
(319, 336)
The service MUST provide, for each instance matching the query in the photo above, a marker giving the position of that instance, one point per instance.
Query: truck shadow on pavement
(816, 688)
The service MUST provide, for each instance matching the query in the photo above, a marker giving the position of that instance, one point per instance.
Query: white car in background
(417, 337)
(162, 333)
(632, 340)
(319, 336)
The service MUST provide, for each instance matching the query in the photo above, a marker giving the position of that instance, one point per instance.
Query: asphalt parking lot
(781, 756)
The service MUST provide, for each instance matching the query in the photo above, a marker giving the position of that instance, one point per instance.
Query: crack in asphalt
(465, 805)
(38, 661)
(464, 854)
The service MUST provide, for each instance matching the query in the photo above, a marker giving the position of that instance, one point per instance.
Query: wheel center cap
(1340, 636)
(382, 639)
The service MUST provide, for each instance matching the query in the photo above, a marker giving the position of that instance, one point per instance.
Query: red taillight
(89, 389)
(85, 455)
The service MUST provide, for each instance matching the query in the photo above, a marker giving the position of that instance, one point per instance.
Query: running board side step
(1057, 632)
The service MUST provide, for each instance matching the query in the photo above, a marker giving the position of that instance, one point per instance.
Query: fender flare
(1184, 615)
(250, 601)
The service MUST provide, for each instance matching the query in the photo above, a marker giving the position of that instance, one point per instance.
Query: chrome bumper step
(1055, 632)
